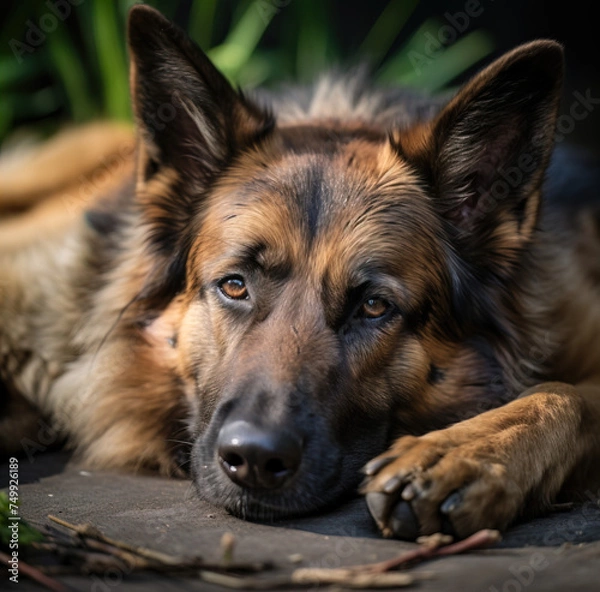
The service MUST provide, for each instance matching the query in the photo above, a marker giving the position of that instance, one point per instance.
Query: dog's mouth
(281, 488)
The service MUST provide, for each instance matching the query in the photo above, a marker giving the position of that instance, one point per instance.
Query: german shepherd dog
(289, 284)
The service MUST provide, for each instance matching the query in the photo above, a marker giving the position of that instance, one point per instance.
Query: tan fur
(68, 158)
(45, 190)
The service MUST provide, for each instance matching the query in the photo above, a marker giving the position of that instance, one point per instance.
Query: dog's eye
(374, 308)
(234, 287)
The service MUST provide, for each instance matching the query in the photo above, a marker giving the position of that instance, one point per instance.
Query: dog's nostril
(275, 466)
(255, 457)
(232, 459)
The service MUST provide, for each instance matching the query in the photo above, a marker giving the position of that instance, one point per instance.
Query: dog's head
(335, 282)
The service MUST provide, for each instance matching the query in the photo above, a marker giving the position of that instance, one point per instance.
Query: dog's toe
(393, 519)
(435, 487)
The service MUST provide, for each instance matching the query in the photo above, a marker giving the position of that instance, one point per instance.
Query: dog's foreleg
(488, 470)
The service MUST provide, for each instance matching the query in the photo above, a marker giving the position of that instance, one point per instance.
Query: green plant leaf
(315, 49)
(386, 29)
(109, 40)
(422, 64)
(13, 73)
(27, 534)
(202, 18)
(233, 54)
(65, 60)
(450, 62)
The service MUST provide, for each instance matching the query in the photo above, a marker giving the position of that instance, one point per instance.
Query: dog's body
(289, 289)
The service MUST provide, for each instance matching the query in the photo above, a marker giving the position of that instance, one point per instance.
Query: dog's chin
(310, 492)
(258, 506)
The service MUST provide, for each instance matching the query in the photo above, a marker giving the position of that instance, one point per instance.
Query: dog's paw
(435, 483)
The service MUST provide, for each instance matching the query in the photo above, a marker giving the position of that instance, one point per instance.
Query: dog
(293, 296)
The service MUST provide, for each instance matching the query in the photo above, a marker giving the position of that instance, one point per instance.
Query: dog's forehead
(353, 203)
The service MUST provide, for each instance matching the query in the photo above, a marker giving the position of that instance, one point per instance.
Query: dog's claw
(403, 522)
(451, 502)
(376, 465)
(409, 493)
(392, 484)
(378, 504)
(394, 521)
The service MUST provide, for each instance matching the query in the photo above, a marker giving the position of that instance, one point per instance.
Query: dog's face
(332, 280)
(307, 288)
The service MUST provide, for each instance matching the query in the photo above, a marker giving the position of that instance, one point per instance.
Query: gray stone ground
(560, 552)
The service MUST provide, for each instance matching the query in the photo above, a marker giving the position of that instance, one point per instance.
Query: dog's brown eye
(374, 308)
(234, 288)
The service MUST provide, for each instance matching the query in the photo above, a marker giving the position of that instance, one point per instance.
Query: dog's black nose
(258, 457)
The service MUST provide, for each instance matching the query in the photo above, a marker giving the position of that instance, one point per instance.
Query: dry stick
(347, 578)
(350, 578)
(362, 576)
(89, 531)
(35, 574)
(84, 551)
(132, 561)
(247, 583)
(479, 540)
(140, 558)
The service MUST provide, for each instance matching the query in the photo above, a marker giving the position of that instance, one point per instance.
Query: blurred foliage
(67, 59)
(27, 534)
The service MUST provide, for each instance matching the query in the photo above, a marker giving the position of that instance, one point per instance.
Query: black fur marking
(436, 375)
(102, 222)
(167, 279)
(417, 318)
(313, 201)
(308, 139)
(152, 167)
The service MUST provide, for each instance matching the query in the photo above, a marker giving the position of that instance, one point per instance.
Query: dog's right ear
(189, 117)
(191, 123)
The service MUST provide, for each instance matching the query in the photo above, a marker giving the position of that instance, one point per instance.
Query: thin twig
(135, 557)
(91, 532)
(35, 574)
(350, 578)
(103, 550)
(247, 583)
(347, 578)
(479, 540)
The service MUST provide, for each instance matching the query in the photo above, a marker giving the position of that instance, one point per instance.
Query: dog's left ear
(485, 154)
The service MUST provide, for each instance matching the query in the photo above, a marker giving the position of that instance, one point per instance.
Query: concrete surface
(560, 552)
